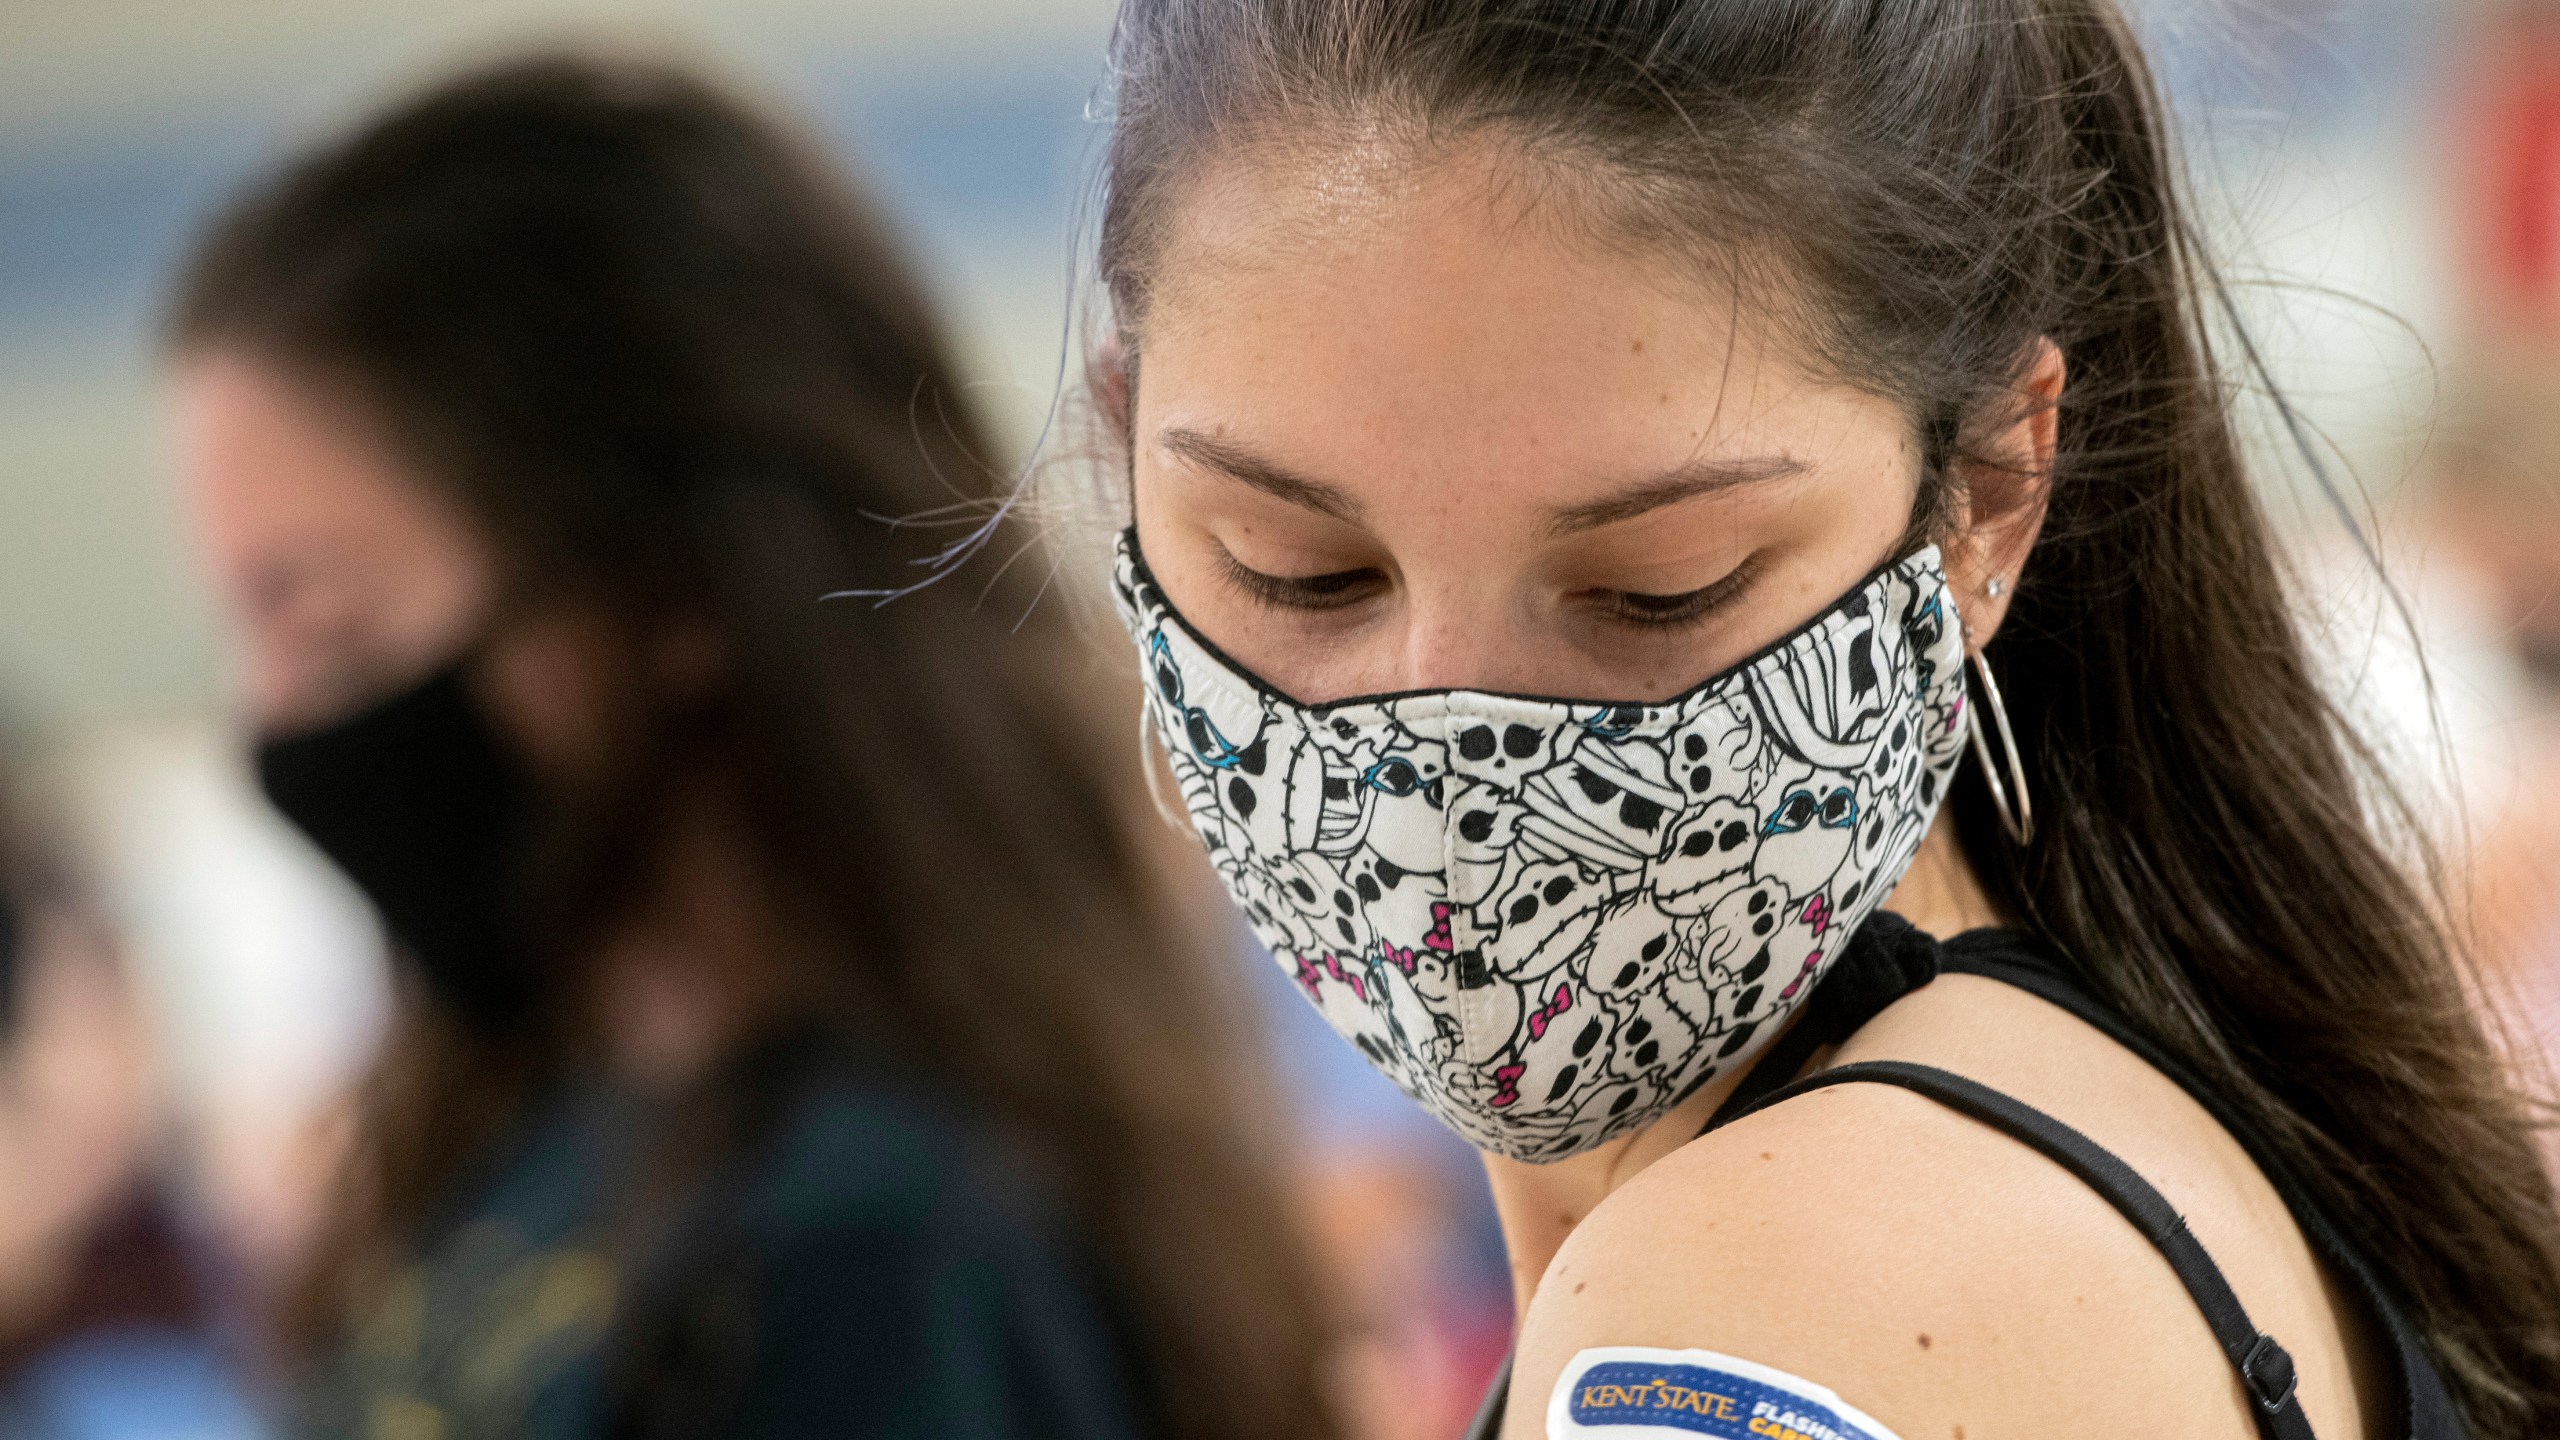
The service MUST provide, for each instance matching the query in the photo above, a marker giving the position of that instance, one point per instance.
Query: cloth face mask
(1549, 921)
(426, 809)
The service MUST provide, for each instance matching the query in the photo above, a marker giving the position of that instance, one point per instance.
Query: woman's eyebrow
(1237, 462)
(1698, 477)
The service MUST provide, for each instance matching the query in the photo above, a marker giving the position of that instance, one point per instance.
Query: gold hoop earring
(2020, 820)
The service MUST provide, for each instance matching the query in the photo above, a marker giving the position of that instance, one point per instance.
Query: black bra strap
(2016, 960)
(2265, 1368)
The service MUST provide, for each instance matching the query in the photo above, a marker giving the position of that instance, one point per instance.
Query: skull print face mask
(1549, 921)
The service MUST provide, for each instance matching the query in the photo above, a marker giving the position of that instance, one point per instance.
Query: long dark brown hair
(665, 358)
(1950, 180)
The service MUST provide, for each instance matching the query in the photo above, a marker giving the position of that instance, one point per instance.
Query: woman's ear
(1107, 374)
(2003, 487)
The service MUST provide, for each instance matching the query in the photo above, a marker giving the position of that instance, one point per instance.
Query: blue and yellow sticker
(1626, 1392)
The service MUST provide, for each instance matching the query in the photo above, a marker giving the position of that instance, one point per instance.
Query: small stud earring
(1995, 587)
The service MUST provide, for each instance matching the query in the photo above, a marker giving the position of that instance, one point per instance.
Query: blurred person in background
(792, 1040)
(104, 1327)
(2494, 490)
(2490, 502)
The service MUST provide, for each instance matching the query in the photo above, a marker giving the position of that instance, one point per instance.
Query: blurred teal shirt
(874, 1267)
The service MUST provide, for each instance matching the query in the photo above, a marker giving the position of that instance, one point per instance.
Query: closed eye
(1330, 591)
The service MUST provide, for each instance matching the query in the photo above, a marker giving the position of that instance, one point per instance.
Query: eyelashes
(1299, 592)
(1340, 589)
(1686, 608)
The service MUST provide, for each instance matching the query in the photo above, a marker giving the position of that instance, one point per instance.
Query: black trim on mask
(1853, 597)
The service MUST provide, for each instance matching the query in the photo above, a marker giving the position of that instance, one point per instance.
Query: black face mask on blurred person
(420, 802)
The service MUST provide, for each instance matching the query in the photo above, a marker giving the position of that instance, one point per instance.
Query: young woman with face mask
(1695, 576)
(791, 1039)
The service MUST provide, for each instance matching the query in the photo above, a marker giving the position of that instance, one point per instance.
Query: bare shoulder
(1934, 1273)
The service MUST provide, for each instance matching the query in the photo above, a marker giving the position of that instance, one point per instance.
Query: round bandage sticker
(1629, 1392)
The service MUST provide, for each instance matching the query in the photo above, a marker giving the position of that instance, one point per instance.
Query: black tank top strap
(2015, 958)
(1887, 958)
(2265, 1367)
(1497, 1399)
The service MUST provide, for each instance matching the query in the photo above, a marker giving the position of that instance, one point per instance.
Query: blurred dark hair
(670, 363)
(1945, 181)
(22, 883)
(37, 875)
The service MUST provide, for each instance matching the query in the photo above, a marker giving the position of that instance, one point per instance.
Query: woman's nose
(1466, 638)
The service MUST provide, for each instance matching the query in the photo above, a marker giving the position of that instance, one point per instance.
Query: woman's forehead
(1447, 321)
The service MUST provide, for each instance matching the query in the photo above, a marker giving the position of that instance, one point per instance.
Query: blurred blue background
(123, 124)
